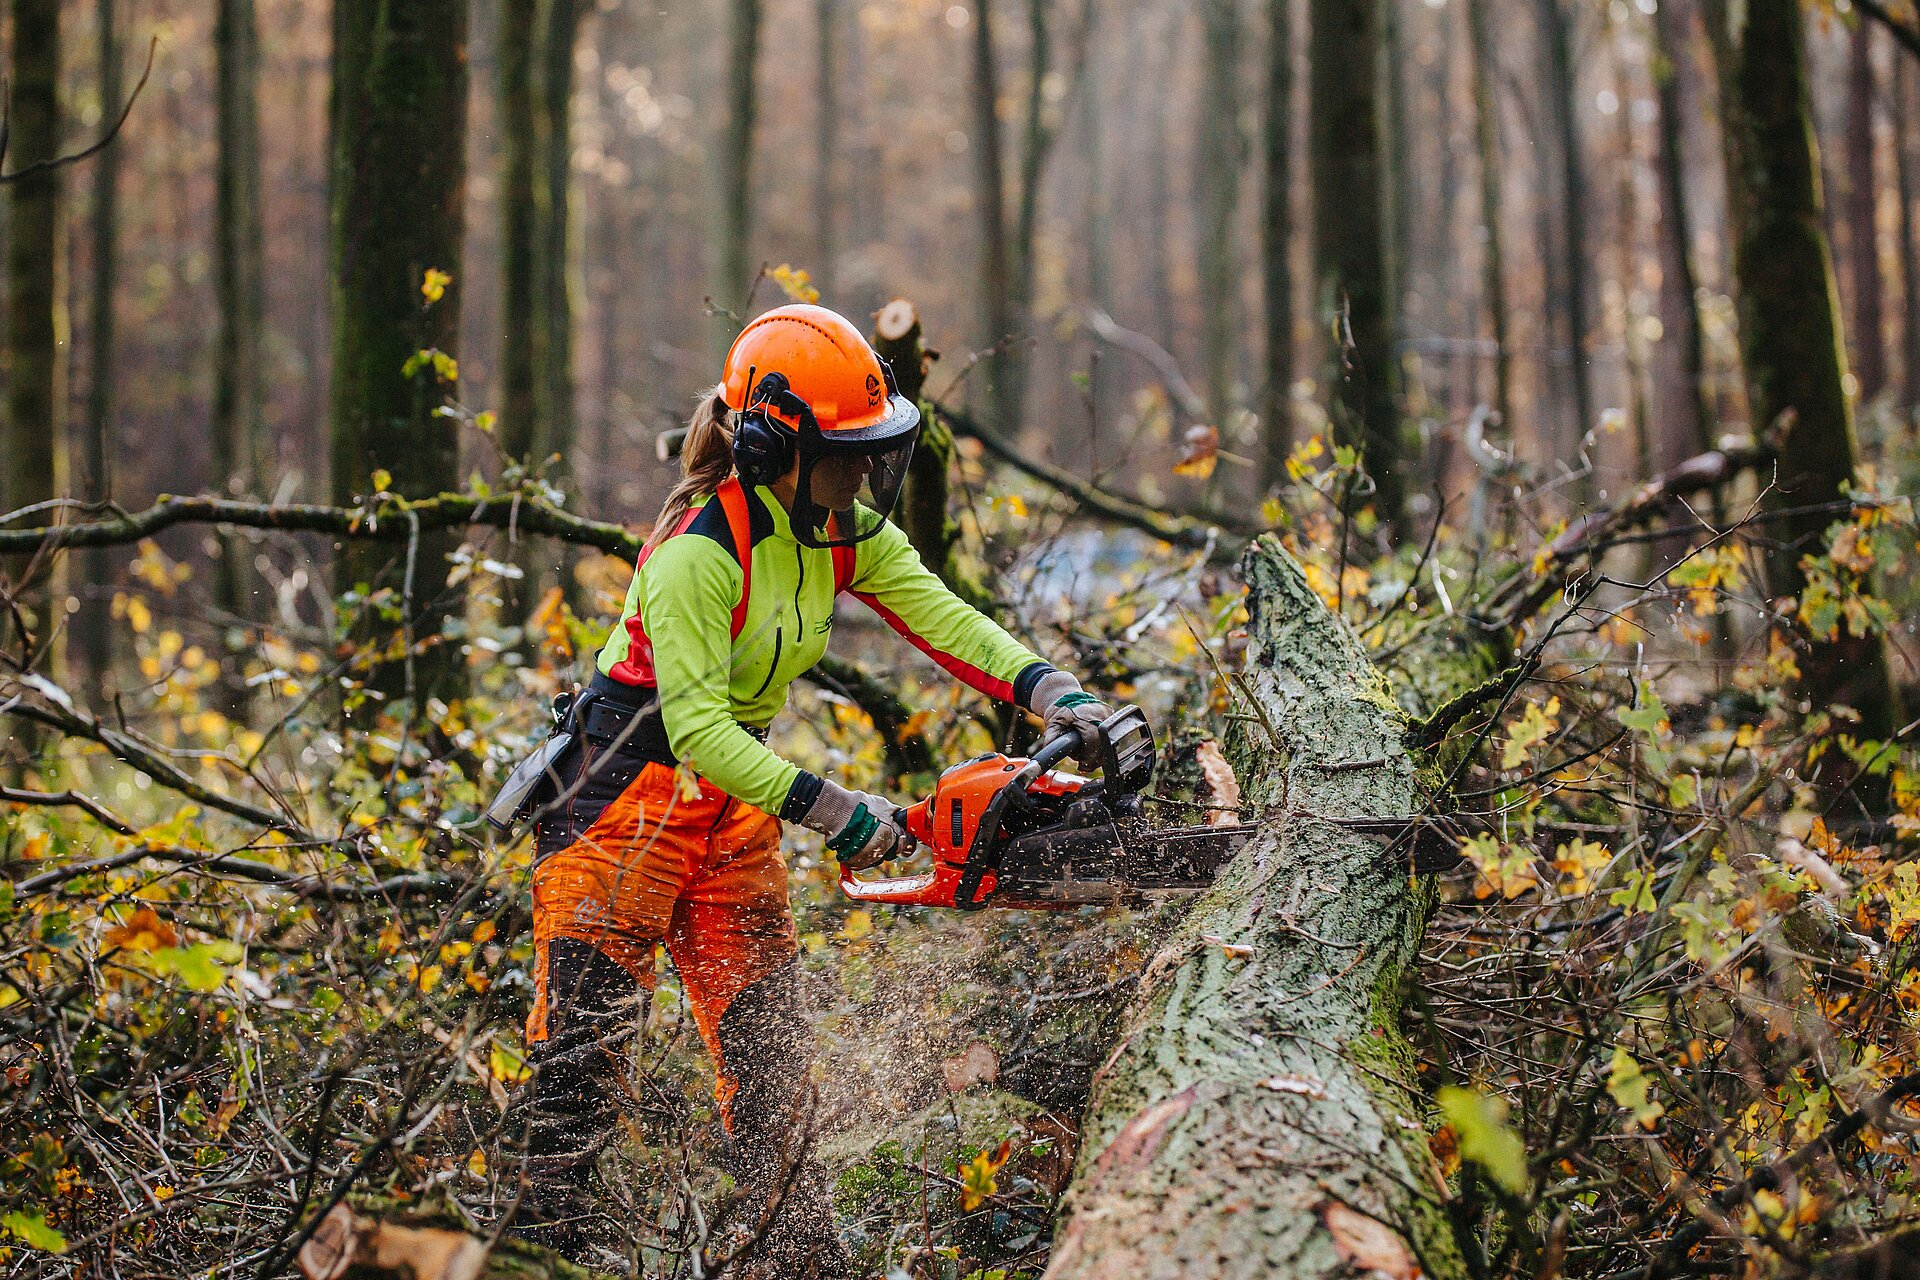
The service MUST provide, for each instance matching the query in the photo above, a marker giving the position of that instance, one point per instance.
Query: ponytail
(706, 460)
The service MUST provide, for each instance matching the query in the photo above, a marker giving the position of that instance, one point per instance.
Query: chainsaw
(1011, 831)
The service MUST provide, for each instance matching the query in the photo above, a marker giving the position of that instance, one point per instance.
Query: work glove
(862, 829)
(1059, 700)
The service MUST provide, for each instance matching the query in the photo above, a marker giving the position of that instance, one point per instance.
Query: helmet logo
(874, 391)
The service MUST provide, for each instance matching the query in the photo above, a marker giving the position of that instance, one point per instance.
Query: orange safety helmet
(805, 383)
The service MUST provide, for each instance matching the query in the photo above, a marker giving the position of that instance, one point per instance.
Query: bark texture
(93, 629)
(239, 381)
(1790, 340)
(399, 185)
(1276, 236)
(34, 321)
(1257, 1094)
(734, 285)
(1350, 252)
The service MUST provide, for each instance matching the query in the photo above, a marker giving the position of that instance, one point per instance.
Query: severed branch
(1521, 596)
(59, 162)
(1222, 546)
(389, 520)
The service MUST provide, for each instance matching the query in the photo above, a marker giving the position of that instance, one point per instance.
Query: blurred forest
(1538, 378)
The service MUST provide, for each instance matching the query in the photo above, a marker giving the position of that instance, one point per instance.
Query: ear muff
(762, 449)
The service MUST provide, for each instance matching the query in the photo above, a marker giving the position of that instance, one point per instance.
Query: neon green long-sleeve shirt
(675, 632)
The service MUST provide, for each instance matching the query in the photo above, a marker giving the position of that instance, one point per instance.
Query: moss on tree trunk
(1790, 320)
(1255, 1094)
(399, 185)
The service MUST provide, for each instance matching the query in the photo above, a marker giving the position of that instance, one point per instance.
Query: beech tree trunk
(1257, 1096)
(399, 116)
(1790, 338)
(559, 286)
(1863, 237)
(1222, 152)
(1486, 107)
(239, 382)
(93, 628)
(1276, 239)
(735, 280)
(1348, 166)
(1562, 94)
(522, 339)
(1906, 102)
(34, 321)
(1685, 414)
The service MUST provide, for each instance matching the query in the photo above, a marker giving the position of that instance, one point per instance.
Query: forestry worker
(732, 598)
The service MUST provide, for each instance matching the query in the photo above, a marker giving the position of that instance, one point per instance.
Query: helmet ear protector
(765, 446)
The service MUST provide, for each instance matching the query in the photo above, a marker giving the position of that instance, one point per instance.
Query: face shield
(866, 464)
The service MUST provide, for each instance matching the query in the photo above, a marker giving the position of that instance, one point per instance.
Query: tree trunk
(1276, 239)
(1562, 93)
(1686, 414)
(1347, 154)
(399, 115)
(523, 352)
(923, 515)
(1863, 236)
(1222, 152)
(1906, 126)
(558, 278)
(35, 319)
(238, 383)
(996, 279)
(1262, 1102)
(93, 629)
(1486, 107)
(826, 135)
(1790, 339)
(736, 274)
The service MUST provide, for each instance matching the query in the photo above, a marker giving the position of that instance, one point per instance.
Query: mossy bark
(36, 319)
(1789, 315)
(1347, 155)
(1253, 1090)
(399, 116)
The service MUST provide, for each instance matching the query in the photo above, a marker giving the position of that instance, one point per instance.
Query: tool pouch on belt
(536, 778)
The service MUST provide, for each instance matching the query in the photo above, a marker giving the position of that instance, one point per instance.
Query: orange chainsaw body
(951, 822)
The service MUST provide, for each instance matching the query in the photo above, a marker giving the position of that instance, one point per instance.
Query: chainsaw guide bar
(1013, 832)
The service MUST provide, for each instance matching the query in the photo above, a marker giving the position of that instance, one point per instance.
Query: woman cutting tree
(667, 824)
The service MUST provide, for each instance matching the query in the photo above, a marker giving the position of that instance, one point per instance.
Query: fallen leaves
(977, 1064)
(1367, 1244)
(979, 1176)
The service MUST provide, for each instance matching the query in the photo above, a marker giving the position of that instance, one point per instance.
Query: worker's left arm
(891, 580)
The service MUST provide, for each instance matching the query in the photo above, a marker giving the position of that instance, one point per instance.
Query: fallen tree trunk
(1260, 1115)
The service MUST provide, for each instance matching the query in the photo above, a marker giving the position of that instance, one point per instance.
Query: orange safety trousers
(670, 859)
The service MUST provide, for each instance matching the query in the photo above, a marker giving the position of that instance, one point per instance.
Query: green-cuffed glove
(862, 829)
(1064, 706)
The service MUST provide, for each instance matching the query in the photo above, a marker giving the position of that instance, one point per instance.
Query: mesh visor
(830, 482)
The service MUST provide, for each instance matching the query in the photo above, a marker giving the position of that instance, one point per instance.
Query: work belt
(627, 718)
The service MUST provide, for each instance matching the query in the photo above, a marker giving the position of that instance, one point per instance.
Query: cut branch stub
(1262, 1074)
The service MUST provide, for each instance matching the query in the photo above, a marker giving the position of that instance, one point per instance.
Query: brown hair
(706, 460)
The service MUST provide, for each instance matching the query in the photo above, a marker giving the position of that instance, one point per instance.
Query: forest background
(1567, 351)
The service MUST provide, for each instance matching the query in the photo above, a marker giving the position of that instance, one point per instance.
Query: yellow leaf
(1537, 724)
(508, 1064)
(858, 925)
(433, 286)
(139, 617)
(1575, 863)
(686, 781)
(477, 1163)
(429, 977)
(483, 932)
(979, 1176)
(1201, 452)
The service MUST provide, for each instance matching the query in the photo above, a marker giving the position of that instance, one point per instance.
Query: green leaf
(1682, 791)
(32, 1230)
(1628, 1083)
(1636, 895)
(198, 966)
(1480, 1124)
